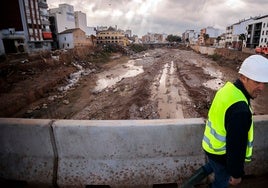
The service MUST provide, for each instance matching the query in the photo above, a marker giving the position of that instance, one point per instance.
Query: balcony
(47, 35)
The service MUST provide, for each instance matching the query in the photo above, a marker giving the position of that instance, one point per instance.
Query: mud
(161, 83)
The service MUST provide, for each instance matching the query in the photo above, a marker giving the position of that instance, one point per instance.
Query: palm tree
(218, 40)
(206, 37)
(242, 37)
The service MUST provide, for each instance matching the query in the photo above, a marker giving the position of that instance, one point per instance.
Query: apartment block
(257, 32)
(80, 20)
(63, 17)
(233, 33)
(24, 26)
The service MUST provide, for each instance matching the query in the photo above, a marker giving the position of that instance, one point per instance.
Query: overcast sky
(165, 16)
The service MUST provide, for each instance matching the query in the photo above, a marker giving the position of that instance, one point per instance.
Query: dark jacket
(238, 120)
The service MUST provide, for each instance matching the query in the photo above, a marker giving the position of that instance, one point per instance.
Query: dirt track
(156, 84)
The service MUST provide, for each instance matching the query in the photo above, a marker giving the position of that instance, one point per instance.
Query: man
(228, 134)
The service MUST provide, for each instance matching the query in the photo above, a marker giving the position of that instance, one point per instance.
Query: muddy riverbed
(156, 84)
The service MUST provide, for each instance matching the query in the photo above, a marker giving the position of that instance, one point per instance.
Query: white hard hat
(255, 67)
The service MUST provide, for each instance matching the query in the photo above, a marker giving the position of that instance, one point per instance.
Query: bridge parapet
(118, 153)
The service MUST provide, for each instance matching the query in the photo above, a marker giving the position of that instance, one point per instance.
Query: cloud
(165, 16)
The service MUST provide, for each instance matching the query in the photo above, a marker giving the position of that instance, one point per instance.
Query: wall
(122, 153)
(227, 53)
(203, 49)
(66, 41)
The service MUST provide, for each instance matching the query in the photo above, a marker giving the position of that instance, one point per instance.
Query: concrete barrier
(122, 153)
(259, 163)
(26, 152)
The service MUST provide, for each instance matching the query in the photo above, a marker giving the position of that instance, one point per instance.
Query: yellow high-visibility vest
(214, 140)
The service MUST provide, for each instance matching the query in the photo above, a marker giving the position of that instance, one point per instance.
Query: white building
(102, 28)
(264, 33)
(80, 20)
(257, 32)
(91, 31)
(190, 37)
(235, 30)
(74, 38)
(64, 17)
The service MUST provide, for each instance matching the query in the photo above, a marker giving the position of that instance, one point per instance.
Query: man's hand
(234, 181)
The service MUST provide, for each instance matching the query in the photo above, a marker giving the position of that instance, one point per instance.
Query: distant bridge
(160, 45)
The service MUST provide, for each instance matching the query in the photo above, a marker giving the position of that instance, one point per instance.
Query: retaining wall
(120, 153)
(204, 49)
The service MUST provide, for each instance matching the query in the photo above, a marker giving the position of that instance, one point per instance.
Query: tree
(173, 38)
(205, 37)
(218, 40)
(242, 37)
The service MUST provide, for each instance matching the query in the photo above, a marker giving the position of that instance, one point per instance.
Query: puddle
(74, 78)
(214, 84)
(110, 78)
(213, 72)
(166, 93)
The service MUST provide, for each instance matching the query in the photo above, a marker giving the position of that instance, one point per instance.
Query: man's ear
(243, 78)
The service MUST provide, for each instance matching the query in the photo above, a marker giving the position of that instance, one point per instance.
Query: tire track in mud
(165, 91)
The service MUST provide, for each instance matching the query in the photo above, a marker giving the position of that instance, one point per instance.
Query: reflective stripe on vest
(214, 140)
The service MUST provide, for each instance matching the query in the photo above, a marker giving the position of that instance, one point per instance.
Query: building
(25, 26)
(74, 38)
(208, 35)
(190, 37)
(112, 36)
(220, 41)
(128, 33)
(63, 17)
(233, 33)
(44, 16)
(80, 20)
(103, 28)
(91, 31)
(154, 38)
(257, 32)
